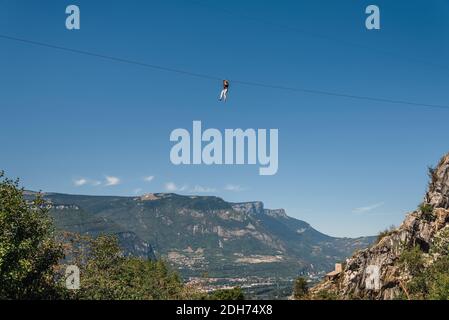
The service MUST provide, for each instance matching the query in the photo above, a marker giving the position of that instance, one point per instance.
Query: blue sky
(348, 167)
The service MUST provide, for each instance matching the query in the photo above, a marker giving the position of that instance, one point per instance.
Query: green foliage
(440, 244)
(300, 288)
(108, 275)
(30, 258)
(412, 260)
(227, 294)
(28, 250)
(427, 211)
(437, 276)
(325, 295)
(431, 283)
(439, 287)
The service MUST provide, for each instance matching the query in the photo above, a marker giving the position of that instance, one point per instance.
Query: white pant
(223, 94)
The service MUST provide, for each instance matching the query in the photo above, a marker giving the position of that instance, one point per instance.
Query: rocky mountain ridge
(375, 273)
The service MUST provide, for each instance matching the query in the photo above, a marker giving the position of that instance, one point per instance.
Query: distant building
(338, 269)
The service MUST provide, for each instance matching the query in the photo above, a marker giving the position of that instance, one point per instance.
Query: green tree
(426, 283)
(439, 287)
(427, 211)
(108, 275)
(28, 250)
(437, 277)
(300, 288)
(412, 260)
(227, 294)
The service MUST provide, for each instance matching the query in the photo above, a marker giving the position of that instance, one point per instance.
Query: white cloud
(201, 189)
(368, 208)
(80, 182)
(95, 183)
(112, 181)
(148, 178)
(137, 191)
(234, 188)
(170, 186)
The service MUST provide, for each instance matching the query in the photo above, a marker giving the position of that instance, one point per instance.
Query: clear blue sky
(348, 167)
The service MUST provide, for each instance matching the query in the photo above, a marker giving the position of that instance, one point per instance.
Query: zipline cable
(215, 78)
(107, 57)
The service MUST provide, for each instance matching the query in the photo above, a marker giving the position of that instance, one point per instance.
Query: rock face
(276, 213)
(255, 207)
(438, 193)
(133, 246)
(375, 273)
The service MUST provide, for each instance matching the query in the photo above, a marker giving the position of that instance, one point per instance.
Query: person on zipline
(224, 92)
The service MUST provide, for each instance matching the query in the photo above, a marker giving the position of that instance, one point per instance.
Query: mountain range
(205, 234)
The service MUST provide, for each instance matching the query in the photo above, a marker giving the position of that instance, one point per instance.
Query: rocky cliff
(375, 273)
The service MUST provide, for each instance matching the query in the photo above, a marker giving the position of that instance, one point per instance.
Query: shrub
(325, 295)
(427, 211)
(227, 294)
(28, 250)
(106, 274)
(412, 260)
(300, 288)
